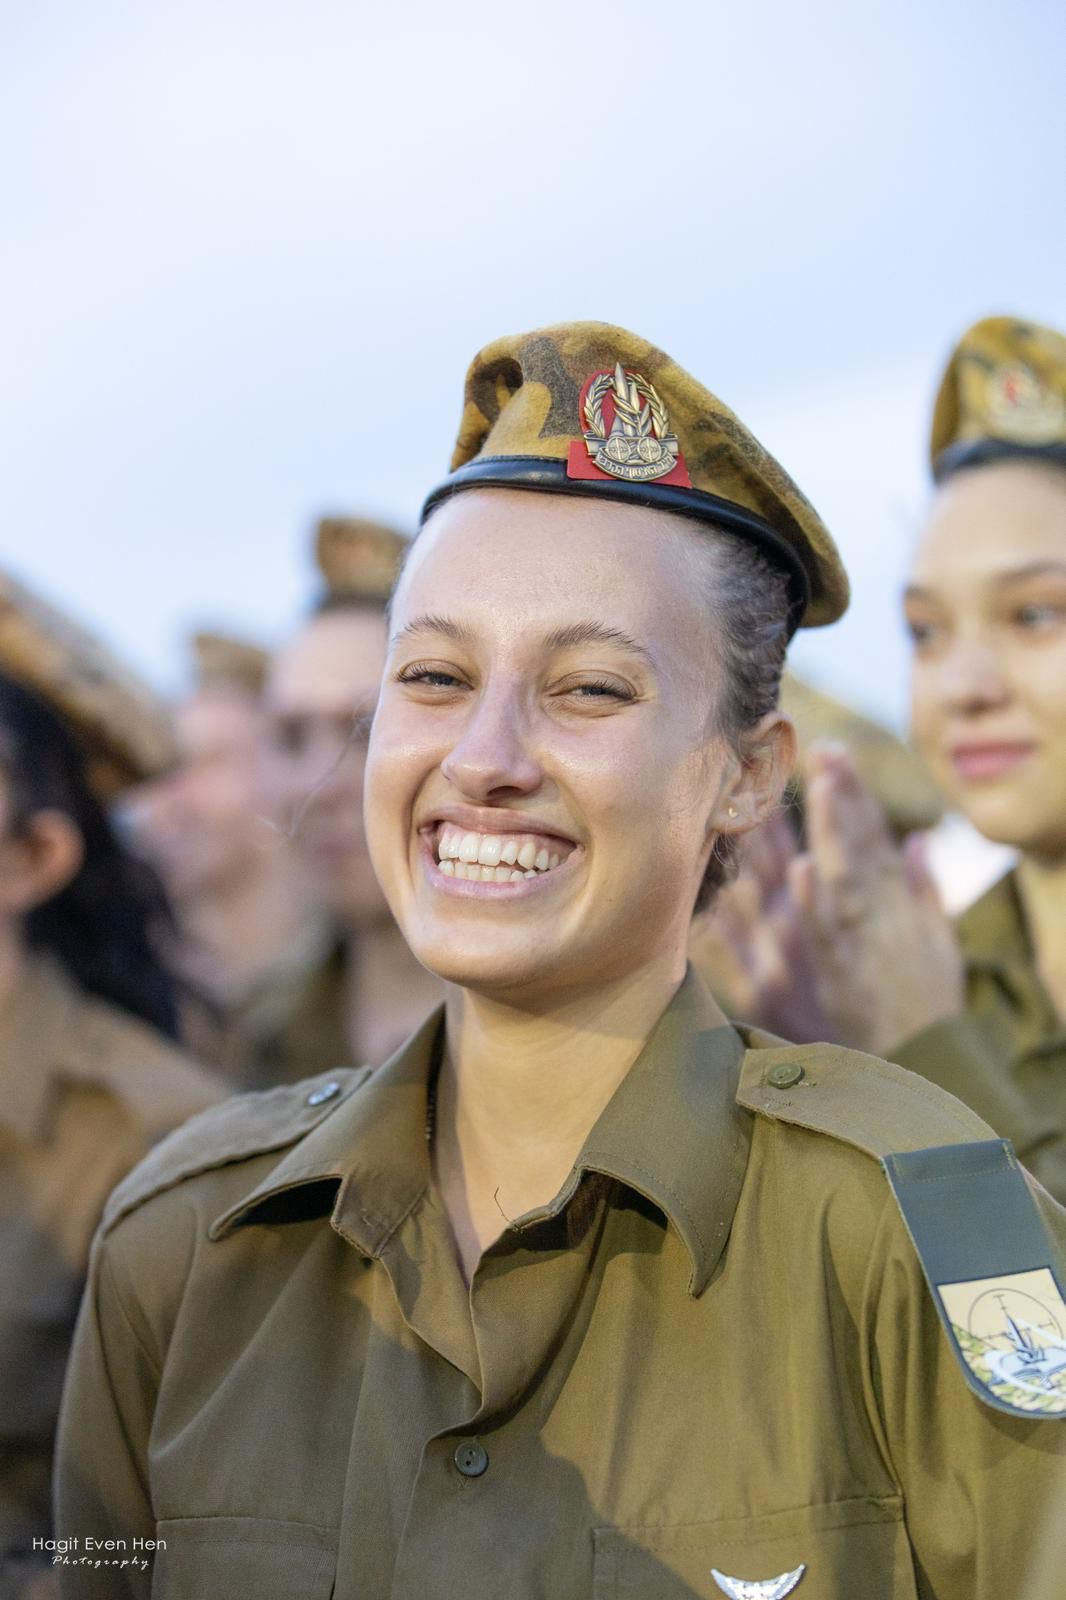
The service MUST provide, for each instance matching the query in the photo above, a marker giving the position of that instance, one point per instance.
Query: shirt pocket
(849, 1547)
(242, 1558)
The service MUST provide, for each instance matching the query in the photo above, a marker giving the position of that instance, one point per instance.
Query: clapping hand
(846, 941)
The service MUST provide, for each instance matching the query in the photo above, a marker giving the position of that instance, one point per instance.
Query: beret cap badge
(590, 409)
(1002, 397)
(1022, 407)
(627, 431)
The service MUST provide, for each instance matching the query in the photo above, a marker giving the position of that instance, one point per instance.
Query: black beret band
(982, 452)
(549, 476)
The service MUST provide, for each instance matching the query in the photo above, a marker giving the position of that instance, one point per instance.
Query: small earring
(733, 812)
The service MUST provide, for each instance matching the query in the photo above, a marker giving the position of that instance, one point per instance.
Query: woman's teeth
(493, 857)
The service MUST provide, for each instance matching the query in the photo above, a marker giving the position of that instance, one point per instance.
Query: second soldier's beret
(121, 724)
(223, 662)
(359, 560)
(1003, 395)
(589, 409)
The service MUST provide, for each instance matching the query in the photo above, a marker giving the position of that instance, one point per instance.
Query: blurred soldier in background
(978, 1007)
(245, 935)
(89, 1077)
(741, 945)
(367, 992)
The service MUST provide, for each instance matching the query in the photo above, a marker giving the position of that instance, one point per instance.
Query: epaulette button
(328, 1091)
(785, 1075)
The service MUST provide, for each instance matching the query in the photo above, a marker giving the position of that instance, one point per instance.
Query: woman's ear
(767, 756)
(39, 861)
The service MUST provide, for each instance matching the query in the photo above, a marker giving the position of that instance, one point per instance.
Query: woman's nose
(492, 757)
(972, 679)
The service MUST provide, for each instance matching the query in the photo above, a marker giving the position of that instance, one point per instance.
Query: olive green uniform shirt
(85, 1089)
(1006, 1055)
(714, 1348)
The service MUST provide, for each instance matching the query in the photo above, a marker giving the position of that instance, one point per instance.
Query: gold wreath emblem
(639, 446)
(1022, 407)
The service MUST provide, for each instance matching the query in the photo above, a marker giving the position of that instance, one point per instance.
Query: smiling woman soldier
(586, 1292)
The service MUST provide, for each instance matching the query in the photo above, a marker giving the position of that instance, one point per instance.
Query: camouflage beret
(588, 409)
(891, 770)
(1003, 395)
(221, 662)
(122, 726)
(359, 559)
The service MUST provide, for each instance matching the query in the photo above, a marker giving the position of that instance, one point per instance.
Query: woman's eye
(921, 633)
(1038, 615)
(289, 735)
(433, 677)
(598, 689)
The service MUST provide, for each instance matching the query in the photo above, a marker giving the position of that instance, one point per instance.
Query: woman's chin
(1007, 819)
(492, 961)
(486, 972)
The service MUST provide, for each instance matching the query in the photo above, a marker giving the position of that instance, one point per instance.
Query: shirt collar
(995, 940)
(672, 1131)
(373, 1146)
(993, 932)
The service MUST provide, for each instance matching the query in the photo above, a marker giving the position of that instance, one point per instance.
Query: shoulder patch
(991, 1270)
(859, 1099)
(244, 1125)
(983, 1247)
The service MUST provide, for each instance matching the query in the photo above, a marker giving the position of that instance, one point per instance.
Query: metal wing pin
(760, 1589)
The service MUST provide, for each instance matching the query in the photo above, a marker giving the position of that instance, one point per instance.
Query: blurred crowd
(188, 910)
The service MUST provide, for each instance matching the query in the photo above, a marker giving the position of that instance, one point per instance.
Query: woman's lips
(976, 763)
(517, 888)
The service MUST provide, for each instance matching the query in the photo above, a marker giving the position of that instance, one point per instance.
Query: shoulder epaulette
(859, 1099)
(243, 1126)
(985, 1252)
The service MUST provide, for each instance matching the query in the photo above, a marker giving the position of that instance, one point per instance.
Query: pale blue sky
(247, 249)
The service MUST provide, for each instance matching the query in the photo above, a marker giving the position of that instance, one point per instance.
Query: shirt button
(785, 1075)
(328, 1091)
(471, 1458)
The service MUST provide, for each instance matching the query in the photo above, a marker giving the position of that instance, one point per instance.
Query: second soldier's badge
(1021, 407)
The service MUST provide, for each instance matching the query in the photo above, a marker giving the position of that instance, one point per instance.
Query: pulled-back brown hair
(749, 604)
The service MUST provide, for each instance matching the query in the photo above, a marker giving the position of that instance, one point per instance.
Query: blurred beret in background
(121, 724)
(1003, 395)
(359, 560)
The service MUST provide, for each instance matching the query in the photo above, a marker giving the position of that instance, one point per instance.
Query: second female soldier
(90, 1074)
(586, 1291)
(979, 1008)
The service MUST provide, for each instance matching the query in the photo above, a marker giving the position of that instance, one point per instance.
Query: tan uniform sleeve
(984, 1492)
(101, 1483)
(957, 1055)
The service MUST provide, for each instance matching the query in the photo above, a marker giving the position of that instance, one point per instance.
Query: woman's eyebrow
(1033, 569)
(565, 638)
(429, 622)
(578, 633)
(999, 576)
